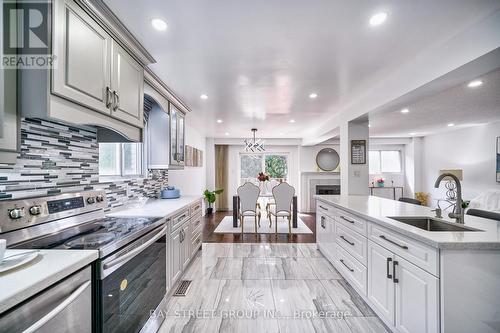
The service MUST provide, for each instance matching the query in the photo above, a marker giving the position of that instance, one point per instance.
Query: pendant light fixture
(254, 145)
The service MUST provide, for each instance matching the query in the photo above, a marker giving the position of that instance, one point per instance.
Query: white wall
(471, 149)
(191, 180)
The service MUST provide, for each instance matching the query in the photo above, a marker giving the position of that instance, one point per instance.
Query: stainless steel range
(129, 279)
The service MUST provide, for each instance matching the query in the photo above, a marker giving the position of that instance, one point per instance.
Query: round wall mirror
(327, 159)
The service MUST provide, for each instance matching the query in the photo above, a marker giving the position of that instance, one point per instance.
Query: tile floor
(266, 288)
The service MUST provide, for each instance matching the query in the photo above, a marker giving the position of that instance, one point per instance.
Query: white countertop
(377, 210)
(155, 207)
(50, 267)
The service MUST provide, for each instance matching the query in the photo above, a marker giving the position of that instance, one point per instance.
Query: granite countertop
(155, 207)
(50, 267)
(377, 210)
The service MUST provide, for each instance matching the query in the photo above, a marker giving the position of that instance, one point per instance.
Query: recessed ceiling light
(369, 125)
(226, 133)
(475, 83)
(219, 121)
(204, 96)
(292, 120)
(313, 95)
(378, 19)
(451, 125)
(282, 133)
(413, 133)
(159, 24)
(405, 111)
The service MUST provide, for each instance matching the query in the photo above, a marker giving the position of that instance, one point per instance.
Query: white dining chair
(248, 194)
(282, 207)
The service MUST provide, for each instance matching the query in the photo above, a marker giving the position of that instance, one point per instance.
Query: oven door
(131, 283)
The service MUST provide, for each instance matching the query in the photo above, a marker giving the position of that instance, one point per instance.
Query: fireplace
(328, 189)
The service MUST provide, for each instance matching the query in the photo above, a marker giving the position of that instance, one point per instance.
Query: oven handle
(135, 251)
(58, 309)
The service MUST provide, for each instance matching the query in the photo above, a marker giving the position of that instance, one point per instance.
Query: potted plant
(380, 182)
(210, 197)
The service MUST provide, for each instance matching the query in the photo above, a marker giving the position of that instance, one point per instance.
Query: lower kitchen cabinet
(186, 245)
(180, 240)
(403, 294)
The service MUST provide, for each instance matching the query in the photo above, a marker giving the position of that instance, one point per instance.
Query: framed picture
(358, 151)
(498, 159)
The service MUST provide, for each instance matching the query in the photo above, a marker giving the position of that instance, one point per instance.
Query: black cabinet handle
(323, 207)
(346, 219)
(343, 263)
(394, 279)
(346, 240)
(393, 242)
(389, 276)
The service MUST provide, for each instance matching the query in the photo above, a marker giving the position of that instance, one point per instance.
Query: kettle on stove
(170, 193)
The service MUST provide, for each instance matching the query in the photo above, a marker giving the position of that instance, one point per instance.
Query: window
(120, 159)
(382, 161)
(275, 165)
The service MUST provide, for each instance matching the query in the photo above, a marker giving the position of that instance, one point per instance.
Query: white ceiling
(259, 60)
(459, 105)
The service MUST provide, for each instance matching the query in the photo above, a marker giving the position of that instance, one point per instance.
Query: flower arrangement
(262, 177)
(423, 198)
(380, 182)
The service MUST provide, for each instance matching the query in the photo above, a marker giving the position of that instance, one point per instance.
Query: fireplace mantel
(309, 180)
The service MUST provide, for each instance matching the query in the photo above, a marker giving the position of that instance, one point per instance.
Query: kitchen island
(415, 280)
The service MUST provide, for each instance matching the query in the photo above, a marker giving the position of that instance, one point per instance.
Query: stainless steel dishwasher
(63, 307)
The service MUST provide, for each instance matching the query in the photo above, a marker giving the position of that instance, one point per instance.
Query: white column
(354, 178)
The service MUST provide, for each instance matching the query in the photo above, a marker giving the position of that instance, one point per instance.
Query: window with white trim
(120, 159)
(385, 161)
(273, 164)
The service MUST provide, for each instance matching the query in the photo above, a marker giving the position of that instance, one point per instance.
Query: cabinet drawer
(196, 222)
(196, 208)
(351, 269)
(325, 209)
(352, 242)
(180, 218)
(351, 221)
(195, 244)
(419, 254)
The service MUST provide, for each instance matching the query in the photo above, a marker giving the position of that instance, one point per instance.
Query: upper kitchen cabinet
(177, 137)
(127, 84)
(98, 73)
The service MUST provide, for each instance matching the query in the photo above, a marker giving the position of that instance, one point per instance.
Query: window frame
(379, 151)
(121, 165)
(263, 163)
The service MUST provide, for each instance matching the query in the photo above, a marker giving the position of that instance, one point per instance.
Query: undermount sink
(431, 224)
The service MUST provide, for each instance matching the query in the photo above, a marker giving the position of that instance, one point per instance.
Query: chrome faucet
(458, 212)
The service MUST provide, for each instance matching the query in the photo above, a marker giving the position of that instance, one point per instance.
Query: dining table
(263, 197)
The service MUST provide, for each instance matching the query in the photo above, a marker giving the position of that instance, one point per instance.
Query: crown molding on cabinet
(110, 22)
(152, 79)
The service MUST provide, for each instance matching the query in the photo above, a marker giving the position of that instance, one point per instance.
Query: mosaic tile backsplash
(57, 158)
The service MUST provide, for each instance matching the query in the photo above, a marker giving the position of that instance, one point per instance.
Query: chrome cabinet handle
(58, 309)
(135, 251)
(346, 219)
(347, 240)
(108, 97)
(117, 100)
(389, 276)
(394, 279)
(343, 263)
(393, 242)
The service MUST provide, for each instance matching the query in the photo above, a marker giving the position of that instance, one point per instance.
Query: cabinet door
(380, 283)
(127, 84)
(181, 138)
(173, 135)
(83, 52)
(175, 262)
(322, 231)
(417, 299)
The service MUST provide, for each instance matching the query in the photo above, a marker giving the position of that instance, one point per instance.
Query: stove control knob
(91, 200)
(99, 198)
(16, 213)
(36, 210)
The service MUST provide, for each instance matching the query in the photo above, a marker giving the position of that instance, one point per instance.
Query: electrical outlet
(357, 173)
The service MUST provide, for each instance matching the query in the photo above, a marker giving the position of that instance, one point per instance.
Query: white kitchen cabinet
(92, 69)
(417, 298)
(380, 285)
(83, 51)
(175, 257)
(325, 233)
(177, 137)
(127, 85)
(186, 245)
(401, 293)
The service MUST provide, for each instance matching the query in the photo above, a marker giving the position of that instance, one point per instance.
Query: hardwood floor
(211, 221)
